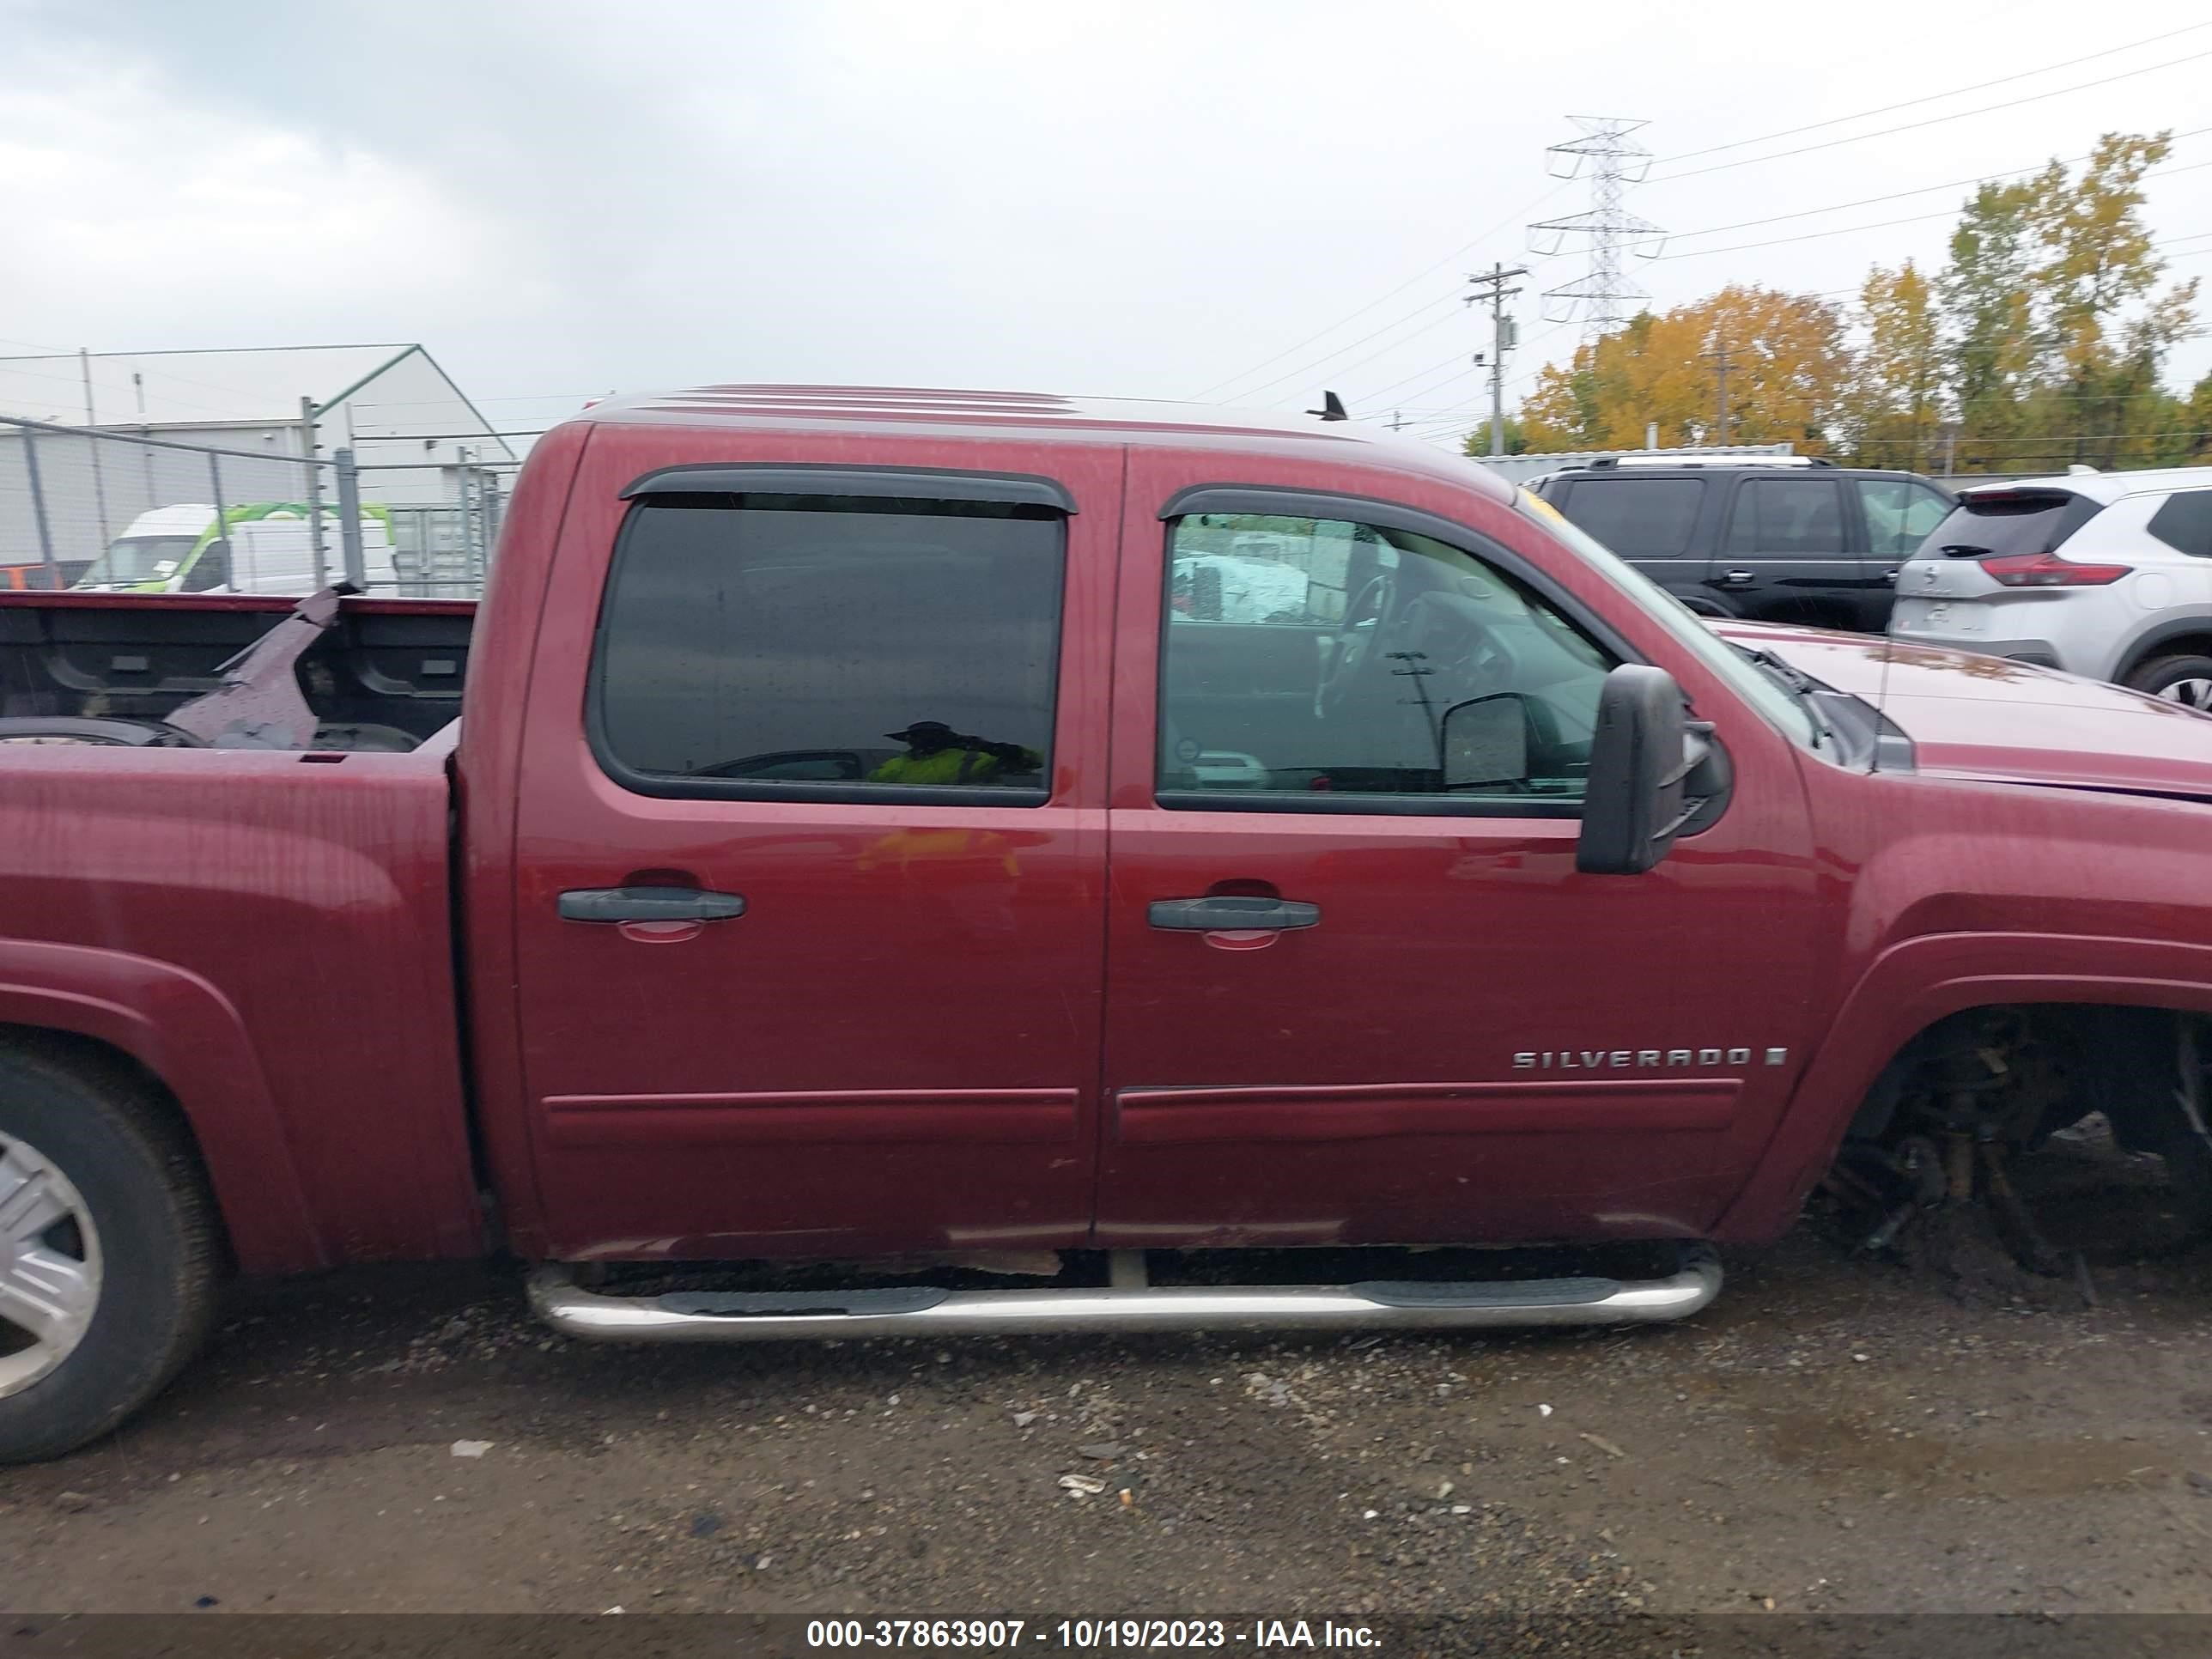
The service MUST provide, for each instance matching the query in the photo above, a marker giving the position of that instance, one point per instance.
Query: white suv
(2106, 575)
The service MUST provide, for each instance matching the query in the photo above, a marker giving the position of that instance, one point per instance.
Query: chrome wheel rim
(2194, 693)
(50, 1267)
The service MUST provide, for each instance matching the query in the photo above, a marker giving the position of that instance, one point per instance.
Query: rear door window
(1787, 519)
(789, 644)
(2186, 522)
(1637, 518)
(2009, 522)
(1899, 513)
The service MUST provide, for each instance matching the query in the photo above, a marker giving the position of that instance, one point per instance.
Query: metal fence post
(355, 560)
(315, 491)
(222, 523)
(495, 507)
(464, 518)
(38, 512)
(91, 420)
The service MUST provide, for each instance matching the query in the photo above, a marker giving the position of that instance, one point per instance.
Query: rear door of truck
(810, 848)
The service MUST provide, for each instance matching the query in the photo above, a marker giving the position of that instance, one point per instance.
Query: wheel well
(2064, 1060)
(125, 1078)
(2178, 645)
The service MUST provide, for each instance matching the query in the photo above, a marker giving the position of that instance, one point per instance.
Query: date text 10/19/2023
(1008, 1635)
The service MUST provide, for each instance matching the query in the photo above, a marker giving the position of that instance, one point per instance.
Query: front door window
(1311, 658)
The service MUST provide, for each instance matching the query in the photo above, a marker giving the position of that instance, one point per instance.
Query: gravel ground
(1835, 1435)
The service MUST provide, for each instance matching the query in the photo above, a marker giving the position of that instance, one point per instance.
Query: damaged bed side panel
(303, 896)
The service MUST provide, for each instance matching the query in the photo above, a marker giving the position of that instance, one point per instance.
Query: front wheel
(2184, 679)
(108, 1255)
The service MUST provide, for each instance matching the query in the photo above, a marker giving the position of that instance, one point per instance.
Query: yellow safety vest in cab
(946, 766)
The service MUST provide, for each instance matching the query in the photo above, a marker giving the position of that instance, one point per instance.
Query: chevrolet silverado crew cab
(865, 842)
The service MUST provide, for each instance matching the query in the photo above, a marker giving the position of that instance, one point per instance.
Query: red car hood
(1971, 716)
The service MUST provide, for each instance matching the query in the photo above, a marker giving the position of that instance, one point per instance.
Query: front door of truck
(1356, 990)
(810, 904)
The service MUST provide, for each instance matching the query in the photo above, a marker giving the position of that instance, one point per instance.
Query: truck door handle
(649, 904)
(1890, 575)
(1737, 579)
(1226, 914)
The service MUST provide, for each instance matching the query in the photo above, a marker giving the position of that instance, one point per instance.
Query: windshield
(1755, 685)
(131, 560)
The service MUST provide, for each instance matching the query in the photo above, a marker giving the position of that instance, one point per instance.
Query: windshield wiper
(1796, 678)
(1800, 685)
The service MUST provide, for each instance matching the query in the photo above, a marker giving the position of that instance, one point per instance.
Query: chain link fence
(121, 511)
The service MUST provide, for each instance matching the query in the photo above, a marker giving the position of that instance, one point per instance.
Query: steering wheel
(1356, 645)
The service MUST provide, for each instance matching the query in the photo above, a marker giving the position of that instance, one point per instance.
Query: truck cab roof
(1032, 417)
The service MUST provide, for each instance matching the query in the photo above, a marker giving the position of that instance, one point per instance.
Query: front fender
(1910, 986)
(187, 1033)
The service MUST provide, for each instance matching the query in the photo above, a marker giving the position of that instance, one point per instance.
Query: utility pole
(1503, 337)
(1719, 358)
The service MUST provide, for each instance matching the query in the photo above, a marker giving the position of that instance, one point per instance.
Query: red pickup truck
(865, 840)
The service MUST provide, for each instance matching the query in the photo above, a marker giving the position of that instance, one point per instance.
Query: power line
(519, 397)
(2057, 439)
(1331, 357)
(1846, 230)
(1933, 97)
(1525, 374)
(435, 437)
(9, 365)
(1932, 121)
(1924, 190)
(1452, 258)
(1465, 368)
(1807, 236)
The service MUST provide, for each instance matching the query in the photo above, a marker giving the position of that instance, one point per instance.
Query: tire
(2184, 679)
(131, 1255)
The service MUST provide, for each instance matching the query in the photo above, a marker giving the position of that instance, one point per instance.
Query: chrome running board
(772, 1316)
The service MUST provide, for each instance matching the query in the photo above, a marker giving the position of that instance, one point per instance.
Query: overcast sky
(559, 199)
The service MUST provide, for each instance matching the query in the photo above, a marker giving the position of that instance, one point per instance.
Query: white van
(260, 548)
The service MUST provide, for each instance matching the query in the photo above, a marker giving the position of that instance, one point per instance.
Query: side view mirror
(1648, 763)
(1485, 742)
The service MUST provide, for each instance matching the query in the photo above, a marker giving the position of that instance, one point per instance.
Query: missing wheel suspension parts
(1951, 1126)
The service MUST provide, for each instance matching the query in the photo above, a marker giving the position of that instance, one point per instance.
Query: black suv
(1789, 539)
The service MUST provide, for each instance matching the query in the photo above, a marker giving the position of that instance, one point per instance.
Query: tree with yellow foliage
(1892, 406)
(1788, 371)
(2042, 341)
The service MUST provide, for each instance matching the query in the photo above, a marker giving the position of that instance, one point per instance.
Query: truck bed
(268, 932)
(387, 676)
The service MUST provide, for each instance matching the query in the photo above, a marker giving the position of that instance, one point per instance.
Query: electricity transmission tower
(1604, 299)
